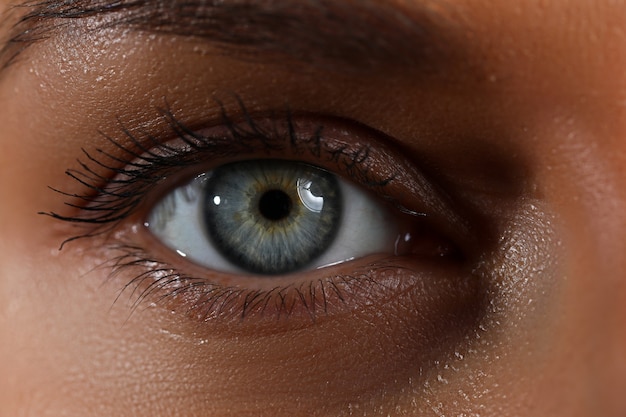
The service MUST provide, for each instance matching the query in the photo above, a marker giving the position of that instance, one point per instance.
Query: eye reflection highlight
(312, 201)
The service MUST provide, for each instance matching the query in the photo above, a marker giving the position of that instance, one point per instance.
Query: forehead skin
(549, 74)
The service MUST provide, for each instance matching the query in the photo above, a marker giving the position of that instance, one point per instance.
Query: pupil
(275, 205)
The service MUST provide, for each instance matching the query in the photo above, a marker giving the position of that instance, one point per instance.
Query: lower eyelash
(156, 282)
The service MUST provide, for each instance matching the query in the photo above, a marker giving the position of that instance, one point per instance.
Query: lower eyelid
(222, 300)
(393, 321)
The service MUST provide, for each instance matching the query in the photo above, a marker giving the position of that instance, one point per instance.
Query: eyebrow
(358, 34)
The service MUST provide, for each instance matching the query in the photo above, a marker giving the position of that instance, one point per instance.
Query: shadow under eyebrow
(356, 34)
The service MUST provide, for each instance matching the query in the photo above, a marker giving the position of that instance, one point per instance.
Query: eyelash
(206, 301)
(116, 186)
(109, 201)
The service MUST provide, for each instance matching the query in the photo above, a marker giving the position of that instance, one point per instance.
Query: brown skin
(528, 136)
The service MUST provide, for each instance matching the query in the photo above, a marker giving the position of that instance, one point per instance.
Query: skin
(528, 136)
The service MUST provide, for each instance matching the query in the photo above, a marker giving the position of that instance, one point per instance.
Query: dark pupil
(275, 205)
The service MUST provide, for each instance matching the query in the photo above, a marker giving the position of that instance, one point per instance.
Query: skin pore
(503, 124)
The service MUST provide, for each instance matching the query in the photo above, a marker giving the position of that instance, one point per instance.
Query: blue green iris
(272, 216)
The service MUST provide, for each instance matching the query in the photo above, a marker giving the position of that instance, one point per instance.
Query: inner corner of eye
(273, 217)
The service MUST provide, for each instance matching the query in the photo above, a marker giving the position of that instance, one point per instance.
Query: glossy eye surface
(271, 217)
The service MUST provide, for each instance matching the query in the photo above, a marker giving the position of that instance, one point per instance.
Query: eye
(272, 217)
(247, 203)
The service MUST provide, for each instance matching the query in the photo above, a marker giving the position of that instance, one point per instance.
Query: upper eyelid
(130, 164)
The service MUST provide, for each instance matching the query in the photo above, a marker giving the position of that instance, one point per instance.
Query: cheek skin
(580, 157)
(593, 204)
(128, 361)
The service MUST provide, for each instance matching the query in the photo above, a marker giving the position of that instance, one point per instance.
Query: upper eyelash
(113, 195)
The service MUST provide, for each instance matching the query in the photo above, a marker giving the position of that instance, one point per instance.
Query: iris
(271, 216)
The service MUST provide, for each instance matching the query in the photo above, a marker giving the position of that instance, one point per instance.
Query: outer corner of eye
(271, 217)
